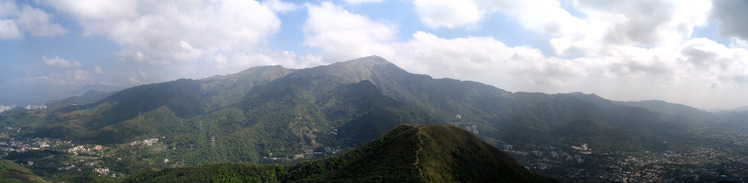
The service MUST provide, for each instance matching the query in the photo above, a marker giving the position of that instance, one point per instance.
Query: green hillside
(429, 153)
(12, 172)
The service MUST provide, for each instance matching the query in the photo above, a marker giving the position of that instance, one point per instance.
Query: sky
(691, 52)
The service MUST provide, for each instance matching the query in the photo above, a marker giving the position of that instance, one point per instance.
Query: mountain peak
(373, 59)
(365, 62)
(259, 72)
(372, 68)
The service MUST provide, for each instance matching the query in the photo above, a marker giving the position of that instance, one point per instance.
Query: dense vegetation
(12, 172)
(405, 154)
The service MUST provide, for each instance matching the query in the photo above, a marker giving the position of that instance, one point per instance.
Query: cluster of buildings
(102, 171)
(4, 108)
(35, 107)
(466, 125)
(698, 164)
(146, 142)
(81, 149)
(23, 145)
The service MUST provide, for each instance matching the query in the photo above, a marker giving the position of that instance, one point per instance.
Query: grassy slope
(451, 154)
(407, 153)
(12, 172)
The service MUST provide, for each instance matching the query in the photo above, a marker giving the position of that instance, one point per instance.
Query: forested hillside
(429, 153)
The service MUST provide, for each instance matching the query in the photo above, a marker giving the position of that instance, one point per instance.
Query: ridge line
(418, 152)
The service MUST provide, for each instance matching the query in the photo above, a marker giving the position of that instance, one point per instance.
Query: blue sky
(688, 52)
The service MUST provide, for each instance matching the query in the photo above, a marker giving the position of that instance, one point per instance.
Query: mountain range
(272, 114)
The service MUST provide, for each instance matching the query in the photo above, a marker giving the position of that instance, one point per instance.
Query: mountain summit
(373, 68)
(407, 153)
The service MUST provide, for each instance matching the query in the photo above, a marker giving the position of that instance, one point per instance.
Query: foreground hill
(407, 153)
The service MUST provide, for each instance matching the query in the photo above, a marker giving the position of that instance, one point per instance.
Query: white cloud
(239, 61)
(540, 16)
(482, 59)
(75, 77)
(644, 23)
(222, 63)
(81, 75)
(280, 6)
(448, 13)
(160, 32)
(343, 35)
(709, 59)
(362, 1)
(9, 30)
(60, 62)
(602, 25)
(16, 20)
(38, 22)
(98, 70)
(134, 81)
(7, 8)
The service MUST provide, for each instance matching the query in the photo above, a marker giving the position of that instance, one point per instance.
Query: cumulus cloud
(482, 59)
(60, 62)
(38, 22)
(241, 61)
(160, 32)
(134, 81)
(711, 59)
(362, 1)
(601, 25)
(9, 30)
(647, 23)
(730, 15)
(447, 13)
(343, 35)
(542, 16)
(16, 20)
(98, 70)
(280, 6)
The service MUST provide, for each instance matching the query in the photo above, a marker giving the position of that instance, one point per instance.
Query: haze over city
(687, 52)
